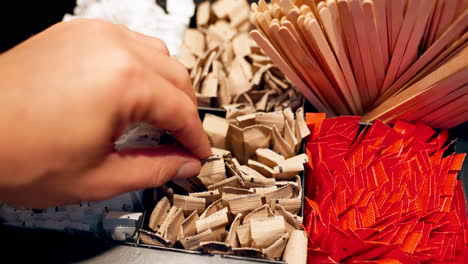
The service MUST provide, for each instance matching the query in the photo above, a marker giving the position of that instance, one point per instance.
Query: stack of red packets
(377, 194)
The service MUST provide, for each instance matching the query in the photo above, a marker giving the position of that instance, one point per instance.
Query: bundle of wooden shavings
(386, 60)
(383, 195)
(226, 66)
(247, 197)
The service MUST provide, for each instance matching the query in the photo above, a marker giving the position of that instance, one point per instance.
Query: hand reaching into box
(68, 92)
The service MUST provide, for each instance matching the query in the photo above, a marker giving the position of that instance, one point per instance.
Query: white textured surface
(143, 16)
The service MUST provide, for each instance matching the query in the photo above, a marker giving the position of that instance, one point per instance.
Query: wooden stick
(398, 14)
(327, 88)
(308, 68)
(425, 9)
(435, 23)
(268, 48)
(454, 66)
(456, 108)
(363, 42)
(403, 38)
(374, 42)
(335, 35)
(457, 28)
(432, 93)
(314, 32)
(447, 17)
(381, 23)
(350, 36)
(423, 109)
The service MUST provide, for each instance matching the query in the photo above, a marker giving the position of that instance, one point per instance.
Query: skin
(66, 95)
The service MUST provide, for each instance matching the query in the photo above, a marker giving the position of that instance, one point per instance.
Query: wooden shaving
(222, 37)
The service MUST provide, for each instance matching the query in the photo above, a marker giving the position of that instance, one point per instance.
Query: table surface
(30, 246)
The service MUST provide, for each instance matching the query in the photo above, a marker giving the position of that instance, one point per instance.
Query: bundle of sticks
(381, 59)
(226, 66)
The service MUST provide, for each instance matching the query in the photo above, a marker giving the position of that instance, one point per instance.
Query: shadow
(33, 246)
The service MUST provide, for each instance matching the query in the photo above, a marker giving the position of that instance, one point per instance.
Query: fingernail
(188, 170)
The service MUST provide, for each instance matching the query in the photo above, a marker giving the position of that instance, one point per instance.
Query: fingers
(156, 101)
(173, 110)
(137, 170)
(154, 53)
(152, 42)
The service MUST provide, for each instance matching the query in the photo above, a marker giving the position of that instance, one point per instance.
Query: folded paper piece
(383, 195)
(248, 196)
(143, 16)
(226, 66)
(386, 60)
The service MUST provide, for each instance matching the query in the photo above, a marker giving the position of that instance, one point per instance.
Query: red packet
(384, 195)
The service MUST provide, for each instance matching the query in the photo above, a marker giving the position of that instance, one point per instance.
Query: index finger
(171, 109)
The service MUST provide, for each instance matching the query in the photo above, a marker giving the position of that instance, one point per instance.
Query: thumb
(139, 169)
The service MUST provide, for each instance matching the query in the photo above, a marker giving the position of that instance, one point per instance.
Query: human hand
(68, 92)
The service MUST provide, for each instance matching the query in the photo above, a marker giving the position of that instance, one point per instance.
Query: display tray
(151, 198)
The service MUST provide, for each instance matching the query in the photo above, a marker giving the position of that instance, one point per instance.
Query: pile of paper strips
(386, 60)
(226, 66)
(383, 195)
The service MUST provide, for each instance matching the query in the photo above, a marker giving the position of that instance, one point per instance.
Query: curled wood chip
(260, 212)
(231, 238)
(263, 190)
(284, 192)
(275, 251)
(216, 128)
(229, 182)
(150, 238)
(188, 225)
(292, 219)
(291, 205)
(267, 230)
(246, 120)
(212, 208)
(209, 196)
(235, 110)
(254, 182)
(174, 227)
(244, 236)
(195, 41)
(210, 86)
(220, 152)
(212, 172)
(257, 136)
(203, 13)
(296, 249)
(272, 119)
(213, 221)
(280, 145)
(167, 221)
(231, 192)
(189, 204)
(268, 157)
(159, 214)
(248, 171)
(244, 203)
(261, 168)
(289, 168)
(193, 242)
(302, 130)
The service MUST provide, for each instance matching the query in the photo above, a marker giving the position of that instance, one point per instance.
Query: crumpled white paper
(143, 16)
